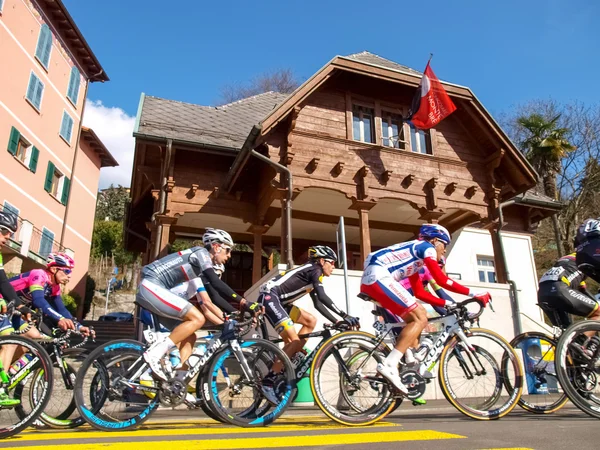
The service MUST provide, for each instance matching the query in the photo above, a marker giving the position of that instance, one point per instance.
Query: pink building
(50, 165)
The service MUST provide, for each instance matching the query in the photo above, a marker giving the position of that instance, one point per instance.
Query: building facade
(49, 167)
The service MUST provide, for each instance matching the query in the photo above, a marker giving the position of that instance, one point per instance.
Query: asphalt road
(433, 426)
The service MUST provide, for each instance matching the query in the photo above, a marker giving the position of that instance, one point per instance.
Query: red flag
(431, 103)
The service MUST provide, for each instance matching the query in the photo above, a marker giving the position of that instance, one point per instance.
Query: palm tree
(545, 146)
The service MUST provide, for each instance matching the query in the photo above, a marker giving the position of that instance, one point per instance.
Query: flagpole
(430, 57)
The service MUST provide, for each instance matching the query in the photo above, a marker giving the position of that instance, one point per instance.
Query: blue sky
(507, 52)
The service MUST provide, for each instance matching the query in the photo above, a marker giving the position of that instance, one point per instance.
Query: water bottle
(175, 358)
(20, 363)
(197, 353)
(426, 345)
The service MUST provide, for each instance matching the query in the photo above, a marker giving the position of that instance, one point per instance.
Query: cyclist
(279, 294)
(587, 246)
(161, 276)
(385, 268)
(214, 295)
(8, 226)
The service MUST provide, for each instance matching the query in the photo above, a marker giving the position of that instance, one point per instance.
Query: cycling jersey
(179, 267)
(279, 293)
(428, 281)
(565, 271)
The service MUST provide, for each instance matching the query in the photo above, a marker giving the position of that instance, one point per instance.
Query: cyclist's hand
(66, 324)
(483, 297)
(342, 325)
(253, 308)
(450, 306)
(352, 321)
(86, 331)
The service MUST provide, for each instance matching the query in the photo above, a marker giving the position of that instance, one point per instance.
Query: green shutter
(74, 81)
(13, 141)
(35, 154)
(44, 45)
(49, 175)
(65, 191)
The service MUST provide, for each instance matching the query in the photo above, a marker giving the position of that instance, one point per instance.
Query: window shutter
(65, 191)
(38, 93)
(44, 45)
(35, 154)
(74, 81)
(63, 125)
(69, 127)
(49, 175)
(13, 141)
(31, 88)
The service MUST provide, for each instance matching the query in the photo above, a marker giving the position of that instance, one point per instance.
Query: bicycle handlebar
(462, 306)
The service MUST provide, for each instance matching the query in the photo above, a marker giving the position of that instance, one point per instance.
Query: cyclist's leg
(583, 305)
(551, 301)
(283, 324)
(304, 318)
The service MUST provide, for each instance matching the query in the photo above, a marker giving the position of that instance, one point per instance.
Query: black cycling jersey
(565, 271)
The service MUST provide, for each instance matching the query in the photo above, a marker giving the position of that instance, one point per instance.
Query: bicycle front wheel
(544, 394)
(578, 369)
(471, 377)
(34, 380)
(345, 382)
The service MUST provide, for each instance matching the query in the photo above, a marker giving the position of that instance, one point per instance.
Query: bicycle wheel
(349, 390)
(202, 402)
(577, 373)
(104, 393)
(15, 418)
(472, 379)
(544, 393)
(234, 397)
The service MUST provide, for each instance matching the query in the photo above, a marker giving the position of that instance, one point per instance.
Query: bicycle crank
(172, 393)
(415, 383)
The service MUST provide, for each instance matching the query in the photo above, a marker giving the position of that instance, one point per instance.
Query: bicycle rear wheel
(544, 393)
(32, 381)
(344, 379)
(577, 373)
(234, 397)
(103, 391)
(472, 379)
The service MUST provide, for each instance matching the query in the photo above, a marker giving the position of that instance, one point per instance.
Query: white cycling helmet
(212, 235)
(219, 268)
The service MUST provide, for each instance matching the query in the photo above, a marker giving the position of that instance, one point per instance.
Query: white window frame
(68, 141)
(487, 269)
(400, 140)
(28, 151)
(61, 184)
(11, 207)
(361, 124)
(415, 146)
(38, 109)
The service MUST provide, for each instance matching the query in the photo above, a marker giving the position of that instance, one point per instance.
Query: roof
(92, 139)
(534, 197)
(70, 34)
(217, 126)
(376, 60)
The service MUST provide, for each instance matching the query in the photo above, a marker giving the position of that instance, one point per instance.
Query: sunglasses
(66, 271)
(6, 233)
(330, 262)
(227, 249)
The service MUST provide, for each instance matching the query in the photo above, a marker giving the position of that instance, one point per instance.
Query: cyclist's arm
(225, 291)
(39, 301)
(442, 279)
(218, 300)
(322, 302)
(422, 294)
(208, 308)
(6, 289)
(319, 306)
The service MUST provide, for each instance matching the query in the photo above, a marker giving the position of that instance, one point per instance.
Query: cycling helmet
(219, 268)
(8, 221)
(321, 251)
(434, 231)
(212, 235)
(60, 260)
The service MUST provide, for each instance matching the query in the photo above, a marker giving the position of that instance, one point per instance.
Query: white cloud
(114, 127)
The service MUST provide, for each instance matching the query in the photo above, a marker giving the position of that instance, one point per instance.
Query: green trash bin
(304, 397)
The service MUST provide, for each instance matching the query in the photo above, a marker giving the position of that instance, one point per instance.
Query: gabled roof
(92, 139)
(217, 126)
(376, 60)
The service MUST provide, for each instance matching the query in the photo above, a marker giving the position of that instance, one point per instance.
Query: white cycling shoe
(391, 374)
(155, 364)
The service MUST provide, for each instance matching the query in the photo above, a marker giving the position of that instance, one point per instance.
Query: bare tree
(283, 81)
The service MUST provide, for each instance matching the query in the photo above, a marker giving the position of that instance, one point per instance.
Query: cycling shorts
(281, 317)
(156, 298)
(8, 326)
(378, 284)
(558, 300)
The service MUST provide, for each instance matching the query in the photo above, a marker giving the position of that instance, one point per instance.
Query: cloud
(114, 127)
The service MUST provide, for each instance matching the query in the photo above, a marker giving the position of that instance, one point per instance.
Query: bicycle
(30, 379)
(578, 365)
(545, 394)
(110, 396)
(464, 354)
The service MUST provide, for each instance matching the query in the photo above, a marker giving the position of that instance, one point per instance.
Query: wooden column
(166, 222)
(363, 207)
(257, 231)
(499, 262)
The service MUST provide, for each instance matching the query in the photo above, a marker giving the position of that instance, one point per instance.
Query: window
(44, 46)
(57, 184)
(46, 242)
(486, 269)
(419, 141)
(10, 208)
(73, 89)
(1, 5)
(362, 124)
(21, 149)
(35, 90)
(392, 130)
(66, 127)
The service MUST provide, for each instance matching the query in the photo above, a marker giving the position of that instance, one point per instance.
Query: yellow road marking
(215, 429)
(267, 442)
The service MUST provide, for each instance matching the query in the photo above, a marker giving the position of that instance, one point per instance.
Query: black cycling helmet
(8, 221)
(321, 251)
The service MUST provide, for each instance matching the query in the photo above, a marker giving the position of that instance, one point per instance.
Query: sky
(507, 52)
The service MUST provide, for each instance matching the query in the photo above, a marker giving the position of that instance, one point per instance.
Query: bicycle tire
(205, 405)
(42, 365)
(260, 366)
(526, 402)
(385, 399)
(92, 407)
(482, 411)
(567, 366)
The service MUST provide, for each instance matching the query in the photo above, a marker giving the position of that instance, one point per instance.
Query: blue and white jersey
(402, 260)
